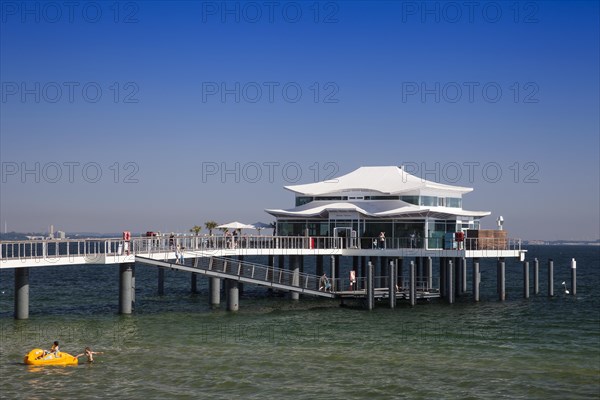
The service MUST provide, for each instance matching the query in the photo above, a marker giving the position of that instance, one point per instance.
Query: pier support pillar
(392, 284)
(319, 266)
(194, 283)
(400, 272)
(457, 277)
(413, 284)
(271, 263)
(22, 293)
(161, 281)
(214, 290)
(573, 277)
(333, 260)
(550, 277)
(429, 272)
(233, 295)
(370, 291)
(526, 279)
(536, 276)
(449, 281)
(476, 279)
(126, 288)
(463, 274)
(295, 267)
(501, 279)
(443, 276)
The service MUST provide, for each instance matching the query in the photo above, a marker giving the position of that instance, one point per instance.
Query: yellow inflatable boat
(36, 357)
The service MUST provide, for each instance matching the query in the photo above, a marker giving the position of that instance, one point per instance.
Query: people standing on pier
(171, 241)
(382, 240)
(324, 284)
(177, 254)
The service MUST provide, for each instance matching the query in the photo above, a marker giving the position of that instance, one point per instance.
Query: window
(453, 202)
(411, 199)
(300, 200)
(429, 201)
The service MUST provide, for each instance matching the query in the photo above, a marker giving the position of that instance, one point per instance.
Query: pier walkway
(55, 252)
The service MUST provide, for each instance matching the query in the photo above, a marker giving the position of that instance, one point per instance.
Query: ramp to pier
(247, 272)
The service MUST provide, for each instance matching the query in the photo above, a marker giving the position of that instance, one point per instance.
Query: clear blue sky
(161, 97)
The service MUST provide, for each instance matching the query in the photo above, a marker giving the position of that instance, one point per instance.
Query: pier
(217, 259)
(396, 228)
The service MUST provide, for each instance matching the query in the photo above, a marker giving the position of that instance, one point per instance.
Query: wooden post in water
(413, 284)
(536, 276)
(161, 281)
(476, 279)
(573, 277)
(502, 279)
(526, 279)
(550, 277)
(370, 291)
(22, 293)
(392, 284)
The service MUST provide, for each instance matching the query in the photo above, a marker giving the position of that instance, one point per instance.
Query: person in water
(89, 354)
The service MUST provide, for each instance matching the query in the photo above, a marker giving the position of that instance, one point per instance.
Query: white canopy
(236, 225)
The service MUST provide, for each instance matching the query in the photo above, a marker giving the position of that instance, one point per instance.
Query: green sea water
(176, 346)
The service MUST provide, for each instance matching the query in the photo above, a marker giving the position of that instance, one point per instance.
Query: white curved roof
(386, 180)
(374, 208)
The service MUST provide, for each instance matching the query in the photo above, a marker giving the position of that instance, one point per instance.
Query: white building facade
(410, 211)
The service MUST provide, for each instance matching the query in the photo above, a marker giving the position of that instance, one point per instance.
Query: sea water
(176, 346)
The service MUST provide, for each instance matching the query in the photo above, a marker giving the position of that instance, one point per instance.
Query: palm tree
(210, 225)
(196, 229)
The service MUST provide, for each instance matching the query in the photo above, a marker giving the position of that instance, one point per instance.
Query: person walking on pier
(324, 284)
(382, 240)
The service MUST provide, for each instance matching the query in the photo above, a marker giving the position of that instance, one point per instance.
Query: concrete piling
(214, 289)
(233, 297)
(392, 284)
(413, 284)
(161, 281)
(370, 290)
(536, 276)
(429, 271)
(550, 277)
(573, 277)
(449, 281)
(125, 288)
(476, 279)
(526, 279)
(501, 279)
(21, 293)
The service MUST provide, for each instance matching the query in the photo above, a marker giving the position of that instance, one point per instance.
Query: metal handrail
(93, 247)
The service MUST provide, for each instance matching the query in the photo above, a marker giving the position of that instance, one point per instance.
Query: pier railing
(48, 249)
